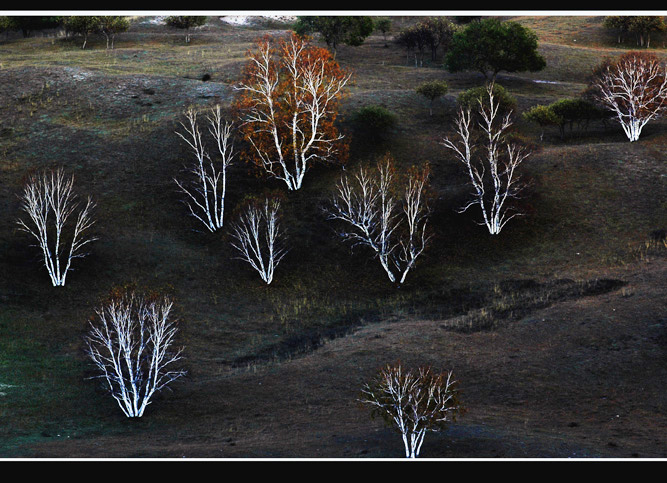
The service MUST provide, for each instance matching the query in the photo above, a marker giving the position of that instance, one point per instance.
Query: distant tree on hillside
(430, 34)
(413, 402)
(643, 26)
(416, 39)
(634, 88)
(640, 26)
(383, 24)
(111, 26)
(82, 25)
(336, 30)
(566, 112)
(491, 46)
(186, 23)
(432, 90)
(288, 102)
(441, 32)
(618, 24)
(29, 24)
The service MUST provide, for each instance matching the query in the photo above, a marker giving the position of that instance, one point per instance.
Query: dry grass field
(556, 329)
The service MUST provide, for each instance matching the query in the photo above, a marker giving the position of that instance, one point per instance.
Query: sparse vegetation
(567, 304)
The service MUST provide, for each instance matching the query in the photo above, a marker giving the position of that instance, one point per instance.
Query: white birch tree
(259, 237)
(394, 229)
(413, 402)
(635, 89)
(56, 220)
(130, 343)
(491, 172)
(288, 102)
(205, 191)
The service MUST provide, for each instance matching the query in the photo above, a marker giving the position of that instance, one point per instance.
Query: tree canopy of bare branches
(635, 89)
(492, 173)
(56, 221)
(288, 102)
(130, 343)
(259, 237)
(206, 189)
(394, 229)
(413, 402)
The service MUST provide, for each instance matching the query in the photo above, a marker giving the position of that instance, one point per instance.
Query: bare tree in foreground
(635, 89)
(56, 222)
(206, 191)
(131, 345)
(492, 172)
(413, 402)
(259, 238)
(395, 231)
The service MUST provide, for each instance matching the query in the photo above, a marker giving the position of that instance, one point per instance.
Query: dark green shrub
(374, 123)
(432, 90)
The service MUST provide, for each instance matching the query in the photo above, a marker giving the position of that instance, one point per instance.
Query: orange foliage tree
(289, 98)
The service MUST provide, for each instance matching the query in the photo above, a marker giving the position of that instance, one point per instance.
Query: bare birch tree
(289, 96)
(130, 343)
(395, 230)
(56, 221)
(413, 402)
(207, 188)
(492, 173)
(635, 89)
(259, 237)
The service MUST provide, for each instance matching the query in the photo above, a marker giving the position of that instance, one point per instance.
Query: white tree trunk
(259, 238)
(206, 190)
(50, 202)
(131, 347)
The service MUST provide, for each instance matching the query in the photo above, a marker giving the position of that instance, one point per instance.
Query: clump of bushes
(565, 113)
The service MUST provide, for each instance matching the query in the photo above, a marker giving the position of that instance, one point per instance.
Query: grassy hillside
(109, 118)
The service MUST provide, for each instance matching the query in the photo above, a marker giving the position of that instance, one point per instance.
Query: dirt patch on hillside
(576, 379)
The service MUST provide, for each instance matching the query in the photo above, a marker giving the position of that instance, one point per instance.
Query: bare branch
(206, 190)
(413, 402)
(259, 238)
(372, 217)
(130, 344)
(49, 201)
(492, 175)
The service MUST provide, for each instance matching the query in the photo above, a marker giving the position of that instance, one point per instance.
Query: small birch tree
(288, 104)
(413, 402)
(492, 173)
(131, 343)
(259, 237)
(207, 188)
(56, 221)
(395, 230)
(634, 88)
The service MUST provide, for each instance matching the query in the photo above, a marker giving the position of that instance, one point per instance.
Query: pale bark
(492, 174)
(635, 89)
(50, 203)
(207, 187)
(131, 346)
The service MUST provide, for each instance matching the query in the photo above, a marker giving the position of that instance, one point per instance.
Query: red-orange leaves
(288, 103)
